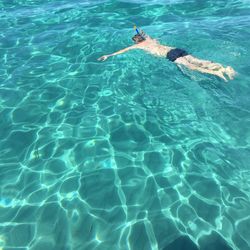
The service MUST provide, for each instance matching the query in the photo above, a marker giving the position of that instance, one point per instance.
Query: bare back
(154, 47)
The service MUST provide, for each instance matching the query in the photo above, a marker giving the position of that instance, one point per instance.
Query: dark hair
(138, 38)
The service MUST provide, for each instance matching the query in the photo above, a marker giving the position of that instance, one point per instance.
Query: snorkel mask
(140, 36)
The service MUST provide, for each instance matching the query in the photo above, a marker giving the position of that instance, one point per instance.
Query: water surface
(130, 153)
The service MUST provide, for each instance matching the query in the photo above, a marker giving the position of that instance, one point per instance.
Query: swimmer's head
(138, 38)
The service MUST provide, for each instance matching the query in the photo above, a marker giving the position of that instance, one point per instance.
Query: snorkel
(137, 31)
(139, 34)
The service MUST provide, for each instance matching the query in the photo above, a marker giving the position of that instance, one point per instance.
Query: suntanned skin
(155, 48)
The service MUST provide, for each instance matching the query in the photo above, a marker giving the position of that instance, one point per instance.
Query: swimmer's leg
(203, 63)
(229, 71)
(183, 61)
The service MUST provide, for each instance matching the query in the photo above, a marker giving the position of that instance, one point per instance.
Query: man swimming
(178, 56)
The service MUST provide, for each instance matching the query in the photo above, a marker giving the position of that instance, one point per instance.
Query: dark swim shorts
(173, 54)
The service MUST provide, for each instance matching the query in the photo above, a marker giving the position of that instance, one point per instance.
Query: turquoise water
(130, 153)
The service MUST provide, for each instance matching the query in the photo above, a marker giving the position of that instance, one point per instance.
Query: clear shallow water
(129, 153)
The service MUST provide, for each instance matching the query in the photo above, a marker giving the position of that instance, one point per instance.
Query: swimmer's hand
(103, 58)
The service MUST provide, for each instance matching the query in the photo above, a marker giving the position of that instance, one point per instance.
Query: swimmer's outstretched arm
(103, 58)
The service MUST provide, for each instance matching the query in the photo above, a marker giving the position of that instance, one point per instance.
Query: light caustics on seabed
(130, 153)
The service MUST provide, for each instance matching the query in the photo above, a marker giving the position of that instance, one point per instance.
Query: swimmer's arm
(103, 58)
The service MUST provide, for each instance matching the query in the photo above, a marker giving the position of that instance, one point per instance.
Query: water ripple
(131, 153)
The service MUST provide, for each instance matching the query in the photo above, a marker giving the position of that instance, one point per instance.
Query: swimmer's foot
(220, 74)
(230, 72)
